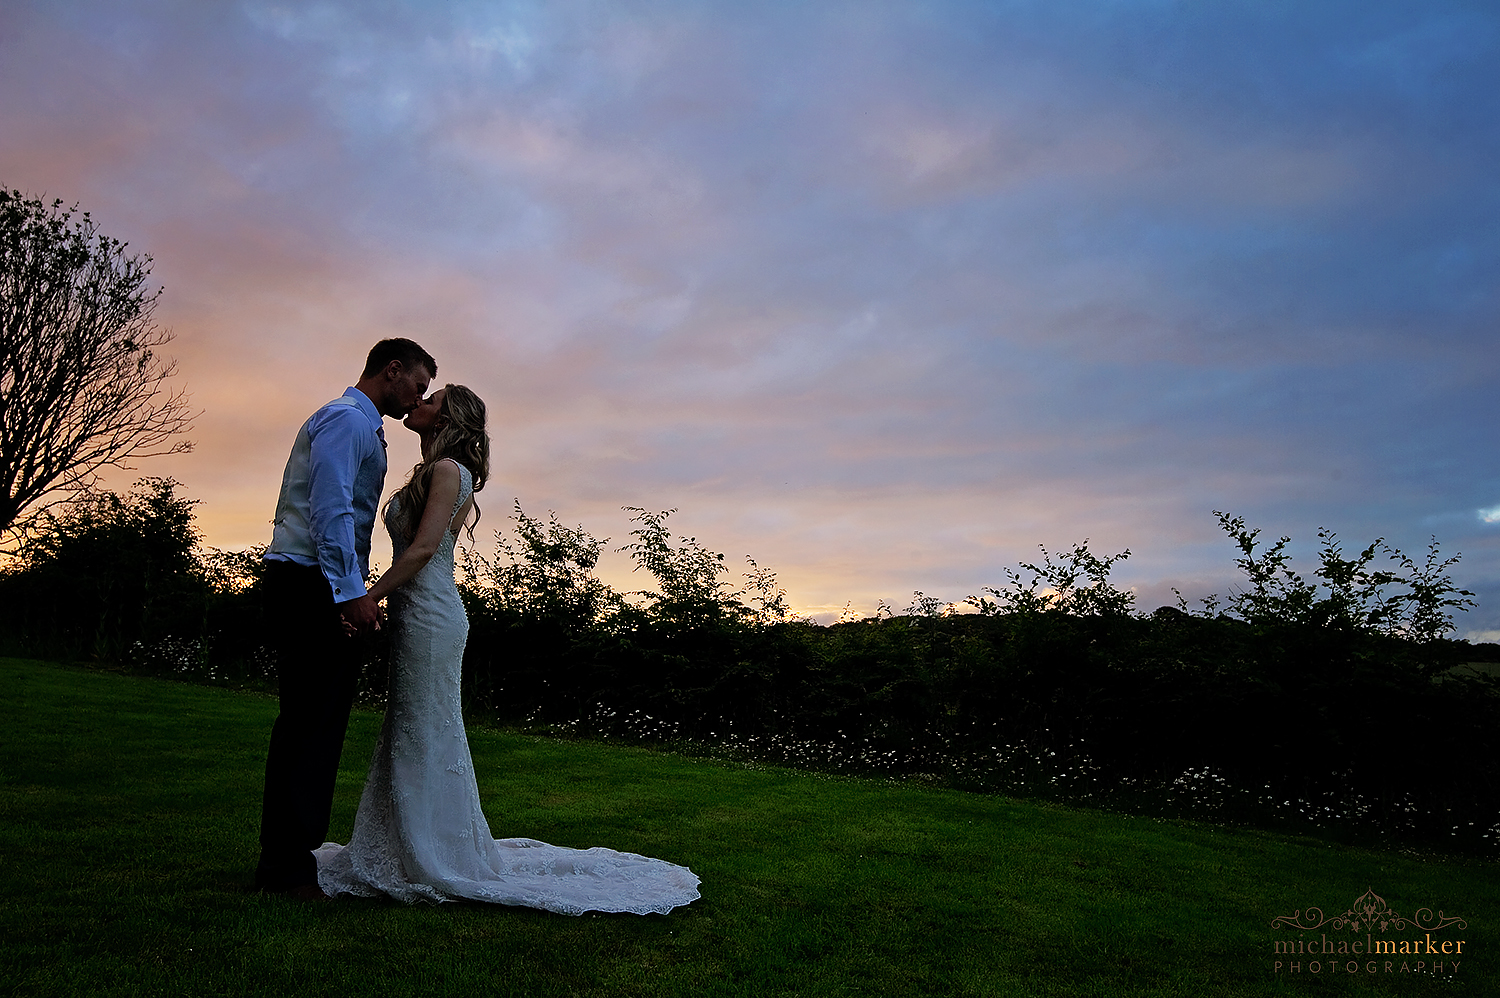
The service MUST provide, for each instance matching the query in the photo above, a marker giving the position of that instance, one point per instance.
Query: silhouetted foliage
(82, 386)
(1334, 701)
(109, 571)
(119, 579)
(1289, 687)
(1352, 596)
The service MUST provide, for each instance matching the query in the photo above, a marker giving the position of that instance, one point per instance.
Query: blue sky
(883, 294)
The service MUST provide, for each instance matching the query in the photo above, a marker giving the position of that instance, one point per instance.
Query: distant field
(129, 810)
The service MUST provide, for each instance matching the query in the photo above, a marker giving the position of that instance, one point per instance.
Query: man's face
(408, 388)
(427, 413)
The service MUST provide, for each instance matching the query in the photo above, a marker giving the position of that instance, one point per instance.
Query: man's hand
(362, 615)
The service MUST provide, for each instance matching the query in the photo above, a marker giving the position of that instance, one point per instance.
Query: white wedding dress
(420, 834)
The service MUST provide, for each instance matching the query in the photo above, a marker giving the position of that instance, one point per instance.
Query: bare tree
(81, 385)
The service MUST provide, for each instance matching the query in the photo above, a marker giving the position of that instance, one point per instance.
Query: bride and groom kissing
(420, 833)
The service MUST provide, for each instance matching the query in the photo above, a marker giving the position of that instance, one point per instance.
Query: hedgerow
(1333, 698)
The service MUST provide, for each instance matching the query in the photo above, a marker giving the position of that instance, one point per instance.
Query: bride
(420, 834)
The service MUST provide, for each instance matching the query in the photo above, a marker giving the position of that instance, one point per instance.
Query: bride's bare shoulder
(453, 471)
(446, 470)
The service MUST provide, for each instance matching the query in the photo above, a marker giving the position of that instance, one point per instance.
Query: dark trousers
(317, 666)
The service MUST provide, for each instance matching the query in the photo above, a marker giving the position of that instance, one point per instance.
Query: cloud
(882, 294)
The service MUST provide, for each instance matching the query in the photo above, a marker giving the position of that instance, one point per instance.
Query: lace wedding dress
(419, 834)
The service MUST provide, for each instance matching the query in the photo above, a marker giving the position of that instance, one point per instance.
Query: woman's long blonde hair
(464, 440)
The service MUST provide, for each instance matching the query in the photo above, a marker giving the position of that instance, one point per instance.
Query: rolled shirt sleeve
(344, 446)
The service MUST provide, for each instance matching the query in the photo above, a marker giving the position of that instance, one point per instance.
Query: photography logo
(1369, 938)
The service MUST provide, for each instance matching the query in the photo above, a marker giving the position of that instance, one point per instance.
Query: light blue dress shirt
(330, 492)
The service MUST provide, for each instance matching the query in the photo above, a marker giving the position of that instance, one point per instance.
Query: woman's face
(427, 413)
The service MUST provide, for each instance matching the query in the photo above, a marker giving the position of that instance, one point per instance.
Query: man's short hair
(404, 350)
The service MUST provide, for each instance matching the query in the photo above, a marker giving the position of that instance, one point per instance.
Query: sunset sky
(884, 294)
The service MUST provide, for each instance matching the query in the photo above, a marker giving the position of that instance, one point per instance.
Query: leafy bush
(108, 572)
(1055, 586)
(1331, 697)
(119, 579)
(1352, 595)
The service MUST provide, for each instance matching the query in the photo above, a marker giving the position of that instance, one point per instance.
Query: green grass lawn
(129, 811)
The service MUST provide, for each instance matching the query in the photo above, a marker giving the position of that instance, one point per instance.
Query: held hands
(361, 615)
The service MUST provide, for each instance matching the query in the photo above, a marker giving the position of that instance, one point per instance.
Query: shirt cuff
(346, 589)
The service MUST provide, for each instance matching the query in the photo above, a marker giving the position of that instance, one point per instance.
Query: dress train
(420, 834)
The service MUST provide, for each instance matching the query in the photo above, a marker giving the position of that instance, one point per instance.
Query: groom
(315, 581)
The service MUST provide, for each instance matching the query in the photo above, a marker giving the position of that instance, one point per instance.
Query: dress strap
(465, 490)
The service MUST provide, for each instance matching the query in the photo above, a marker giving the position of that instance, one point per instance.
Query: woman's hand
(360, 614)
